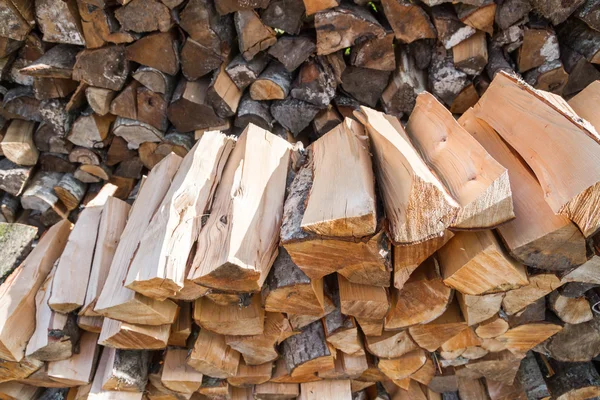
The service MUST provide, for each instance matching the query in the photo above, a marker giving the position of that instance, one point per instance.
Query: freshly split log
(539, 46)
(177, 375)
(477, 309)
(404, 366)
(268, 390)
(409, 21)
(391, 344)
(583, 100)
(308, 352)
(341, 331)
(536, 237)
(19, 391)
(248, 375)
(17, 144)
(432, 335)
(326, 389)
(450, 30)
(19, 370)
(492, 328)
(70, 191)
(182, 327)
(362, 301)
(375, 54)
(524, 337)
(97, 392)
(394, 154)
(122, 335)
(156, 50)
(231, 319)
(479, 17)
(213, 357)
(159, 266)
(77, 370)
(539, 286)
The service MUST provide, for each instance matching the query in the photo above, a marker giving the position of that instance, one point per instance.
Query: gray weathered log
(308, 345)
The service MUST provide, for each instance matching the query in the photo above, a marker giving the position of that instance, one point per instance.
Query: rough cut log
(407, 82)
(21, 101)
(16, 242)
(362, 301)
(216, 267)
(77, 370)
(478, 17)
(223, 94)
(308, 351)
(539, 46)
(126, 370)
(269, 390)
(409, 21)
(243, 72)
(136, 132)
(432, 335)
(289, 21)
(536, 237)
(392, 344)
(19, 370)
(471, 55)
(19, 391)
(253, 112)
(9, 208)
(571, 310)
(158, 268)
(550, 76)
(99, 99)
(17, 144)
(70, 191)
(326, 389)
(230, 319)
(59, 21)
(492, 328)
(19, 19)
(375, 54)
(144, 16)
(480, 256)
(316, 82)
(89, 67)
(213, 357)
(477, 309)
(177, 375)
(365, 85)
(91, 130)
(189, 109)
(483, 192)
(156, 50)
(301, 47)
(416, 183)
(343, 27)
(248, 375)
(404, 366)
(253, 35)
(446, 81)
(576, 35)
(125, 103)
(273, 83)
(104, 368)
(569, 380)
(46, 139)
(182, 327)
(422, 299)
(293, 114)
(538, 286)
(259, 349)
(326, 120)
(450, 30)
(122, 335)
(19, 323)
(115, 300)
(524, 337)
(582, 101)
(55, 63)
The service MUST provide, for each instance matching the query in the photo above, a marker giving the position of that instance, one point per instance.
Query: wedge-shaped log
(569, 186)
(17, 293)
(177, 375)
(90, 67)
(539, 286)
(341, 331)
(19, 391)
(73, 271)
(409, 21)
(492, 328)
(181, 329)
(404, 366)
(17, 144)
(126, 336)
(126, 370)
(115, 300)
(477, 309)
(407, 184)
(571, 310)
(12, 370)
(537, 236)
(432, 335)
(523, 338)
(390, 344)
(246, 215)
(362, 301)
(478, 182)
(475, 263)
(77, 370)
(569, 380)
(249, 375)
(104, 368)
(326, 389)
(230, 319)
(423, 298)
(159, 266)
(308, 352)
(213, 357)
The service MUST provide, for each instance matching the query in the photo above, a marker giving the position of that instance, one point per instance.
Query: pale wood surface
(362, 301)
(523, 338)
(231, 319)
(327, 389)
(96, 391)
(213, 357)
(477, 309)
(182, 327)
(583, 104)
(403, 366)
(538, 286)
(123, 335)
(571, 310)
(432, 335)
(177, 375)
(248, 375)
(17, 144)
(78, 369)
(492, 328)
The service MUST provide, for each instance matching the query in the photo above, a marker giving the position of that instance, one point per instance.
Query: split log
(534, 312)
(281, 375)
(326, 120)
(575, 343)
(104, 368)
(450, 30)
(19, 323)
(19, 19)
(253, 35)
(388, 136)
(576, 35)
(375, 54)
(479, 17)
(268, 391)
(17, 144)
(409, 21)
(126, 370)
(223, 94)
(571, 310)
(21, 101)
(46, 140)
(365, 85)
(512, 12)
(216, 268)
(404, 366)
(492, 328)
(422, 299)
(292, 51)
(248, 375)
(569, 380)
(52, 162)
(289, 21)
(91, 130)
(59, 21)
(341, 330)
(156, 50)
(530, 377)
(211, 356)
(144, 16)
(536, 237)
(362, 301)
(293, 114)
(243, 72)
(471, 55)
(189, 109)
(253, 112)
(153, 79)
(151, 153)
(122, 335)
(307, 352)
(231, 319)
(89, 67)
(477, 309)
(343, 27)
(125, 103)
(156, 270)
(228, 6)
(481, 255)
(182, 327)
(52, 88)
(77, 370)
(118, 152)
(371, 327)
(99, 99)
(539, 286)
(581, 103)
(16, 242)
(70, 191)
(539, 46)
(400, 95)
(272, 84)
(9, 208)
(115, 300)
(524, 337)
(19, 370)
(432, 335)
(550, 76)
(326, 389)
(177, 375)
(446, 81)
(19, 391)
(136, 132)
(391, 344)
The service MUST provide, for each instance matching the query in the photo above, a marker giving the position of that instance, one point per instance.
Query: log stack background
(204, 199)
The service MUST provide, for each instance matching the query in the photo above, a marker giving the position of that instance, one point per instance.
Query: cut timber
(243, 72)
(115, 300)
(239, 217)
(470, 55)
(190, 109)
(122, 335)
(112, 223)
(182, 327)
(341, 331)
(308, 351)
(136, 132)
(230, 319)
(539, 286)
(563, 134)
(59, 21)
(73, 271)
(99, 99)
(97, 392)
(326, 389)
(483, 190)
(90, 67)
(390, 344)
(404, 366)
(18, 391)
(18, 292)
(409, 21)
(432, 335)
(481, 18)
(405, 182)
(423, 298)
(362, 301)
(343, 27)
(581, 38)
(536, 237)
(159, 266)
(259, 349)
(249, 375)
(77, 370)
(17, 144)
(223, 94)
(177, 375)
(19, 370)
(126, 370)
(253, 35)
(156, 50)
(583, 101)
(70, 191)
(213, 357)
(570, 381)
(450, 30)
(539, 46)
(272, 391)
(477, 309)
(287, 289)
(407, 82)
(274, 83)
(523, 338)
(571, 310)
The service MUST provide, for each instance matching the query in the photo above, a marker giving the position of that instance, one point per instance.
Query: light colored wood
(537, 236)
(571, 310)
(246, 215)
(73, 271)
(570, 185)
(426, 373)
(523, 338)
(406, 183)
(215, 388)
(177, 375)
(96, 391)
(341, 202)
(281, 374)
(362, 301)
(470, 55)
(238, 393)
(404, 366)
(589, 272)
(78, 369)
(17, 293)
(492, 328)
(116, 301)
(249, 375)
(99, 99)
(231, 319)
(464, 339)
(476, 309)
(423, 298)
(390, 344)
(213, 357)
(471, 389)
(583, 104)
(326, 389)
(475, 263)
(11, 370)
(18, 391)
(158, 269)
(259, 349)
(308, 352)
(276, 391)
(182, 327)
(123, 335)
(371, 327)
(314, 6)
(477, 181)
(17, 144)
(126, 370)
(539, 286)
(90, 324)
(112, 224)
(432, 335)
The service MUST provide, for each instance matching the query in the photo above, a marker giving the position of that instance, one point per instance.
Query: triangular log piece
(230, 319)
(177, 375)
(432, 335)
(362, 301)
(213, 357)
(539, 286)
(477, 309)
(122, 335)
(77, 370)
(390, 344)
(308, 351)
(404, 366)
(492, 328)
(249, 375)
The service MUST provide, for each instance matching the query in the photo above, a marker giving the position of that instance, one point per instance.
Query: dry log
(534, 312)
(365, 85)
(77, 370)
(539, 46)
(17, 144)
(477, 309)
(243, 72)
(409, 21)
(253, 35)
(19, 19)
(492, 328)
(470, 55)
(125, 103)
(450, 30)
(46, 139)
(478, 17)
(70, 191)
(156, 50)
(102, 374)
(308, 351)
(177, 375)
(231, 319)
(16, 242)
(446, 81)
(512, 12)
(213, 357)
(272, 84)
(571, 310)
(524, 337)
(538, 286)
(404, 366)
(536, 237)
(223, 94)
(89, 67)
(122, 335)
(19, 370)
(407, 82)
(248, 375)
(136, 132)
(576, 35)
(432, 335)
(326, 120)
(59, 21)
(253, 112)
(390, 344)
(52, 88)
(21, 101)
(326, 389)
(289, 21)
(292, 51)
(91, 130)
(151, 153)
(19, 391)
(269, 390)
(362, 301)
(550, 76)
(189, 109)
(144, 16)
(182, 327)
(293, 114)
(569, 380)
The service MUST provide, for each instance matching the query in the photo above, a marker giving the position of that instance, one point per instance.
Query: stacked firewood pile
(443, 258)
